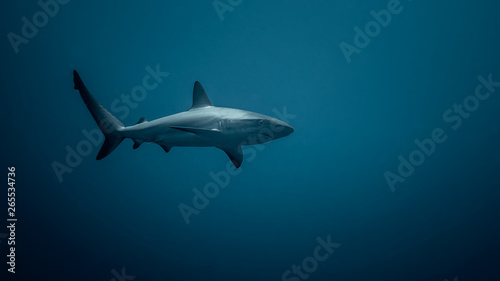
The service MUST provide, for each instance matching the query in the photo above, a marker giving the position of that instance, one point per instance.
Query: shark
(203, 125)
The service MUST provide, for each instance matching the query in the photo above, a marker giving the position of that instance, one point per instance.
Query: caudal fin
(109, 125)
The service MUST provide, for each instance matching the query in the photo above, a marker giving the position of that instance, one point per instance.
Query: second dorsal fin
(142, 120)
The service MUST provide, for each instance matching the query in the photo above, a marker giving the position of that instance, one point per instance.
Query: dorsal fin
(200, 98)
(142, 120)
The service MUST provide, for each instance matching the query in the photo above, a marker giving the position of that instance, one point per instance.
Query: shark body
(203, 125)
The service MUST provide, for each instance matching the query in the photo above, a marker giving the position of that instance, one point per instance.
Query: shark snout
(281, 129)
(287, 130)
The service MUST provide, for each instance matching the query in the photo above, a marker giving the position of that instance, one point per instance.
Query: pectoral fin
(235, 154)
(198, 131)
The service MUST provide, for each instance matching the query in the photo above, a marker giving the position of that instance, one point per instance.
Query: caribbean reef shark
(203, 125)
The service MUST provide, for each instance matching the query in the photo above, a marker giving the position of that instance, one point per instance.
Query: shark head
(254, 128)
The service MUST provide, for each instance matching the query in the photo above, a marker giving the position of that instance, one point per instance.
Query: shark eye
(261, 122)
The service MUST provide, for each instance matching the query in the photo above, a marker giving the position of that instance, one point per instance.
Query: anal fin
(137, 143)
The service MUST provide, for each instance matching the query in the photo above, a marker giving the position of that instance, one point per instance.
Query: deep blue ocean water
(414, 80)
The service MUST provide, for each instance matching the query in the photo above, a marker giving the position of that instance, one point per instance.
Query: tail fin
(109, 125)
